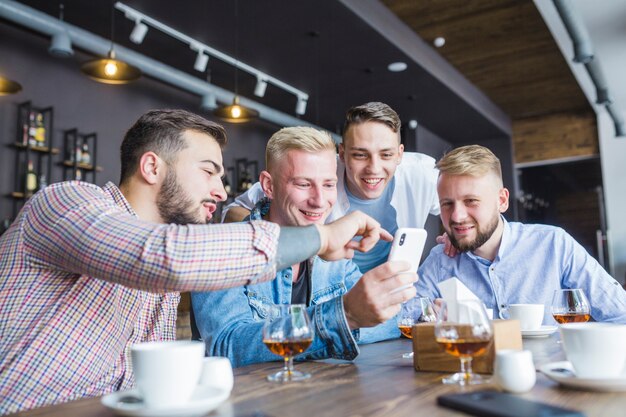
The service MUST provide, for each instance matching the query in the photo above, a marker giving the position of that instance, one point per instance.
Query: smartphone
(408, 245)
(499, 404)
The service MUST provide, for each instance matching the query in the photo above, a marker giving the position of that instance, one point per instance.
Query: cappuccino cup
(530, 316)
(596, 350)
(167, 373)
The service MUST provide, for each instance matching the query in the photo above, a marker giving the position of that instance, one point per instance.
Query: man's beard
(173, 203)
(482, 236)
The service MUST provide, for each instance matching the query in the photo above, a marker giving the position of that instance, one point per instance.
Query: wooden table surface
(378, 383)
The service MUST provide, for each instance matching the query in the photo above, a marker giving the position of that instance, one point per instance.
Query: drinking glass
(465, 332)
(287, 332)
(415, 310)
(570, 306)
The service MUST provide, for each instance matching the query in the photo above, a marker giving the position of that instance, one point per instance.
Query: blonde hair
(473, 160)
(299, 138)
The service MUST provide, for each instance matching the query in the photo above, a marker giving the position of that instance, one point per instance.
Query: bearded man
(506, 262)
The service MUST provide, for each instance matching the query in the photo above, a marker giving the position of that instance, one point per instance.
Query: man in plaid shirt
(85, 271)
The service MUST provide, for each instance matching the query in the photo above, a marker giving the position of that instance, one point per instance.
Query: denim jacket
(231, 321)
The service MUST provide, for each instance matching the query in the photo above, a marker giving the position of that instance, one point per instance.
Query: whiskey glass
(464, 331)
(287, 332)
(570, 306)
(416, 310)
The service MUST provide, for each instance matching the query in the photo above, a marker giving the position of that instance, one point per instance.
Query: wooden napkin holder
(428, 356)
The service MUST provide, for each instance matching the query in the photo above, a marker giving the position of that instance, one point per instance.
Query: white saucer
(563, 373)
(543, 331)
(204, 399)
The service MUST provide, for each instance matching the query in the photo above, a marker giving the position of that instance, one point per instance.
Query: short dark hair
(161, 131)
(374, 111)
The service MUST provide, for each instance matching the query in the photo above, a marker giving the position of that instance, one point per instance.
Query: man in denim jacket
(300, 183)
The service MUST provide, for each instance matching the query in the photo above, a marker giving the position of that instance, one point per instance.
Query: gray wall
(82, 103)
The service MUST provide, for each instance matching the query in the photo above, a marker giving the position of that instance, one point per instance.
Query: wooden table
(378, 383)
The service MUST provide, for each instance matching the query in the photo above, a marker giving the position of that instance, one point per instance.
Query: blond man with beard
(506, 262)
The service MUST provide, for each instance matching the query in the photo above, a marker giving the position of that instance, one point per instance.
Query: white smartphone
(408, 245)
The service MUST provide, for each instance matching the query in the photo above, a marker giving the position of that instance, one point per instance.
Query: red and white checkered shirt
(82, 279)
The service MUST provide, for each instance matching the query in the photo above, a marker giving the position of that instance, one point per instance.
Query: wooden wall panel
(555, 136)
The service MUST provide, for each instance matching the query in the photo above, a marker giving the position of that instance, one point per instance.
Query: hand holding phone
(408, 245)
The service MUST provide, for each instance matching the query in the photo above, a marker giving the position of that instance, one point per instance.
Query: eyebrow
(216, 166)
(367, 150)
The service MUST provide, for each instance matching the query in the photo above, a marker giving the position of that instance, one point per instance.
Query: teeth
(308, 213)
(372, 180)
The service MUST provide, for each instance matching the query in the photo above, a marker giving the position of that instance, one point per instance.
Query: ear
(265, 178)
(503, 200)
(342, 152)
(400, 153)
(151, 167)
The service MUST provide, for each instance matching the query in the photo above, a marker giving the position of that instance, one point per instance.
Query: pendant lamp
(9, 87)
(110, 70)
(235, 112)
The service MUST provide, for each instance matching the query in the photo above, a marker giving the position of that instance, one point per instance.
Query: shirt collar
(118, 197)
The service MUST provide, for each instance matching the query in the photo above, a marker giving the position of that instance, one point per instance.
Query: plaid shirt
(82, 279)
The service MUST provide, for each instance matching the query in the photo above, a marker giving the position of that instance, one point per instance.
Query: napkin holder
(429, 356)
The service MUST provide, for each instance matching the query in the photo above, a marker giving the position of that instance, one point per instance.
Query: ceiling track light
(139, 32)
(202, 60)
(261, 86)
(9, 86)
(301, 105)
(204, 51)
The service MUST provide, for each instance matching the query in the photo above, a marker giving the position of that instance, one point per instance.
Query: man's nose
(374, 164)
(459, 213)
(219, 193)
(316, 197)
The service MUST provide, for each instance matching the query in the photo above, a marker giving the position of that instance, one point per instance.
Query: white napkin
(452, 290)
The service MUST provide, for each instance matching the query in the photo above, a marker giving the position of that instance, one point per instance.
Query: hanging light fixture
(235, 112)
(61, 44)
(110, 70)
(9, 87)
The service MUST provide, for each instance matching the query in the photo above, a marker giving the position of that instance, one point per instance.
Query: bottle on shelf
(78, 153)
(85, 155)
(40, 130)
(32, 129)
(79, 175)
(31, 180)
(43, 182)
(227, 186)
(25, 134)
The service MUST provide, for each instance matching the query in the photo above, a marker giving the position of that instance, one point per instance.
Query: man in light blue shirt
(345, 306)
(506, 262)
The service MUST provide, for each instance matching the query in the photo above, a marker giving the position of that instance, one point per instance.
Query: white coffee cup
(167, 373)
(217, 372)
(596, 350)
(514, 370)
(530, 316)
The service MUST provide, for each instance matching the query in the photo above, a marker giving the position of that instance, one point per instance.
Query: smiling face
(193, 186)
(470, 211)
(302, 187)
(371, 152)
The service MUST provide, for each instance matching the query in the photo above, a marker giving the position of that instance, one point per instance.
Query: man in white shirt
(375, 176)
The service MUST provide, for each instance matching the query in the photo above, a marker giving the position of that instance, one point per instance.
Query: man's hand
(448, 249)
(336, 237)
(373, 300)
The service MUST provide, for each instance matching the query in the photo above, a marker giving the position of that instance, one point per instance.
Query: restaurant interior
(505, 74)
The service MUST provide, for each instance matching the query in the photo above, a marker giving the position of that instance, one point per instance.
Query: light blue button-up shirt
(532, 262)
